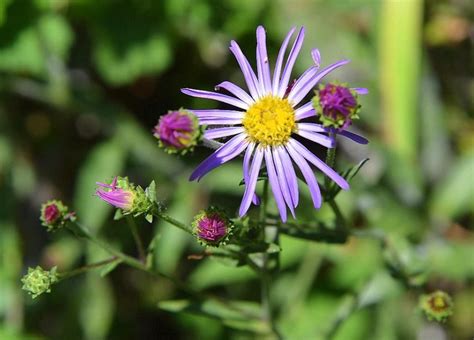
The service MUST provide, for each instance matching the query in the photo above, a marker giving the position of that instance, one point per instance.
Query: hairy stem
(87, 267)
(270, 235)
(176, 223)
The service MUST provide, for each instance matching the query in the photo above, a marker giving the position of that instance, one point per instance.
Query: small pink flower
(121, 198)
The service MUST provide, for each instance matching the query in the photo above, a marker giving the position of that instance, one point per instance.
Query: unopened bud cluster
(38, 281)
(437, 305)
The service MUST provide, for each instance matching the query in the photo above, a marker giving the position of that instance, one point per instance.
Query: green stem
(330, 158)
(265, 274)
(87, 267)
(174, 222)
(84, 232)
(339, 216)
(136, 237)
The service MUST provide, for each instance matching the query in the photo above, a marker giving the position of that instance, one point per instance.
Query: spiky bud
(38, 281)
(54, 215)
(212, 227)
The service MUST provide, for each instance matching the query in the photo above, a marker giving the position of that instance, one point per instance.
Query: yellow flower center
(270, 121)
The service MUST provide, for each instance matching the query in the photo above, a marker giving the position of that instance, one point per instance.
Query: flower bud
(38, 281)
(54, 215)
(212, 227)
(118, 193)
(178, 131)
(127, 197)
(336, 105)
(437, 305)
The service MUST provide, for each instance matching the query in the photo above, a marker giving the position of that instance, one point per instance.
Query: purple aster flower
(117, 195)
(178, 131)
(265, 121)
(212, 226)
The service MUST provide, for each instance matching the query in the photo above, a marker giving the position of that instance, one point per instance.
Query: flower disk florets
(437, 305)
(38, 281)
(54, 214)
(212, 227)
(270, 121)
(336, 105)
(178, 131)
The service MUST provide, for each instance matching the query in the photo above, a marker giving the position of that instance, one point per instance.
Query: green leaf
(150, 191)
(454, 195)
(107, 269)
(97, 307)
(243, 315)
(350, 173)
(401, 24)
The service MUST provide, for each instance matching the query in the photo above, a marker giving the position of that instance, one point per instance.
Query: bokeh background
(83, 82)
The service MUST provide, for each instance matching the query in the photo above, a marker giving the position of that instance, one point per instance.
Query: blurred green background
(83, 82)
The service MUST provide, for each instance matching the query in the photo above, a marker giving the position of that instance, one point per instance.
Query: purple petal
(312, 127)
(302, 82)
(361, 90)
(295, 50)
(223, 132)
(317, 138)
(275, 184)
(217, 113)
(282, 179)
(105, 185)
(304, 111)
(225, 153)
(303, 151)
(215, 96)
(236, 91)
(316, 57)
(297, 95)
(246, 163)
(249, 74)
(290, 174)
(252, 183)
(247, 156)
(308, 176)
(355, 137)
(219, 121)
(279, 61)
(263, 66)
(255, 199)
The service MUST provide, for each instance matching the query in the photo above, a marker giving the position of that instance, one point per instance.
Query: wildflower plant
(271, 126)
